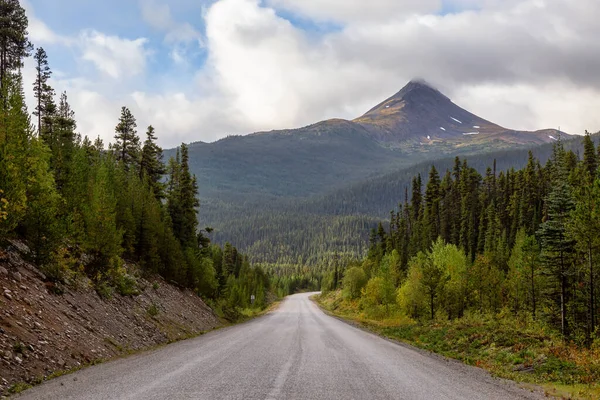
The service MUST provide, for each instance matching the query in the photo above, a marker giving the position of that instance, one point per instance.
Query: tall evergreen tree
(151, 166)
(43, 93)
(432, 207)
(182, 200)
(127, 145)
(557, 245)
(584, 227)
(590, 160)
(65, 141)
(14, 43)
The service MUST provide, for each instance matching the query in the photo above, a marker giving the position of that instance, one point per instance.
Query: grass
(508, 346)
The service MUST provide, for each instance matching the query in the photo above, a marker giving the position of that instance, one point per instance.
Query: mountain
(418, 123)
(421, 113)
(268, 178)
(311, 231)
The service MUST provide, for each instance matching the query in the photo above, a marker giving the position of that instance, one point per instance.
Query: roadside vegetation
(110, 213)
(509, 346)
(499, 271)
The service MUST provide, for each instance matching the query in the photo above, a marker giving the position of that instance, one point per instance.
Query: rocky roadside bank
(44, 333)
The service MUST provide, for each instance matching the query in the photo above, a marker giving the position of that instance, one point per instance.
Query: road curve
(295, 352)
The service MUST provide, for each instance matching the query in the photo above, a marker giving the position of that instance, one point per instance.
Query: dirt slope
(42, 333)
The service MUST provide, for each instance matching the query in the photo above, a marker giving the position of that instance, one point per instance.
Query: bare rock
(17, 276)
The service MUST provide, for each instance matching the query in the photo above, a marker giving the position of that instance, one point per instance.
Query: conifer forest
(525, 240)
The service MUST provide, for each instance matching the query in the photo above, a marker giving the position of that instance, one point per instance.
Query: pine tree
(14, 43)
(103, 238)
(228, 261)
(417, 198)
(557, 246)
(127, 145)
(44, 95)
(182, 201)
(151, 166)
(18, 157)
(584, 227)
(432, 207)
(590, 161)
(65, 143)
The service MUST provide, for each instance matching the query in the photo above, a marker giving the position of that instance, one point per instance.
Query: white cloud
(531, 107)
(524, 64)
(159, 16)
(352, 11)
(275, 76)
(156, 15)
(113, 55)
(182, 37)
(39, 33)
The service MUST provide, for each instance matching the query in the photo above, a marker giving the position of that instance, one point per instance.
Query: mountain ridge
(420, 113)
(252, 176)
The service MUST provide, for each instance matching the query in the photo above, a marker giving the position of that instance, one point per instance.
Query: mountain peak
(419, 82)
(418, 87)
(416, 91)
(419, 112)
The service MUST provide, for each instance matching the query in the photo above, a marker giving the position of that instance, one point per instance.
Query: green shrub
(153, 310)
(104, 290)
(127, 285)
(354, 280)
(18, 347)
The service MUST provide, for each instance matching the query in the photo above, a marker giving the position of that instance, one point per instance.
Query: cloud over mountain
(249, 65)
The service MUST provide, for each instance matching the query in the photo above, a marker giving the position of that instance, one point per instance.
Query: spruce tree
(182, 201)
(14, 43)
(103, 238)
(584, 227)
(127, 145)
(432, 207)
(557, 245)
(151, 166)
(590, 160)
(41, 86)
(65, 141)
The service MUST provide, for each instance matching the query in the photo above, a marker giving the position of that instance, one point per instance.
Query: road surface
(295, 352)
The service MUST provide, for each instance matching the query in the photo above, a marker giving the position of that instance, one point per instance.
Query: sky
(200, 70)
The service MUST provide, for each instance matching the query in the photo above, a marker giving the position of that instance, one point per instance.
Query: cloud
(353, 11)
(524, 64)
(114, 56)
(159, 17)
(279, 76)
(273, 73)
(39, 32)
(183, 39)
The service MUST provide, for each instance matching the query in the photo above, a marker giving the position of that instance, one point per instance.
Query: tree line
(523, 240)
(85, 208)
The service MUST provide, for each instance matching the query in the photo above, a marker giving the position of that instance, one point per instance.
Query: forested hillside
(297, 196)
(311, 232)
(525, 241)
(85, 208)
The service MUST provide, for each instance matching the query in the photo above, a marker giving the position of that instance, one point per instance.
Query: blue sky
(200, 69)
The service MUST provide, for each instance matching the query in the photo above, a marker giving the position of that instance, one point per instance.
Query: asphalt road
(295, 352)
